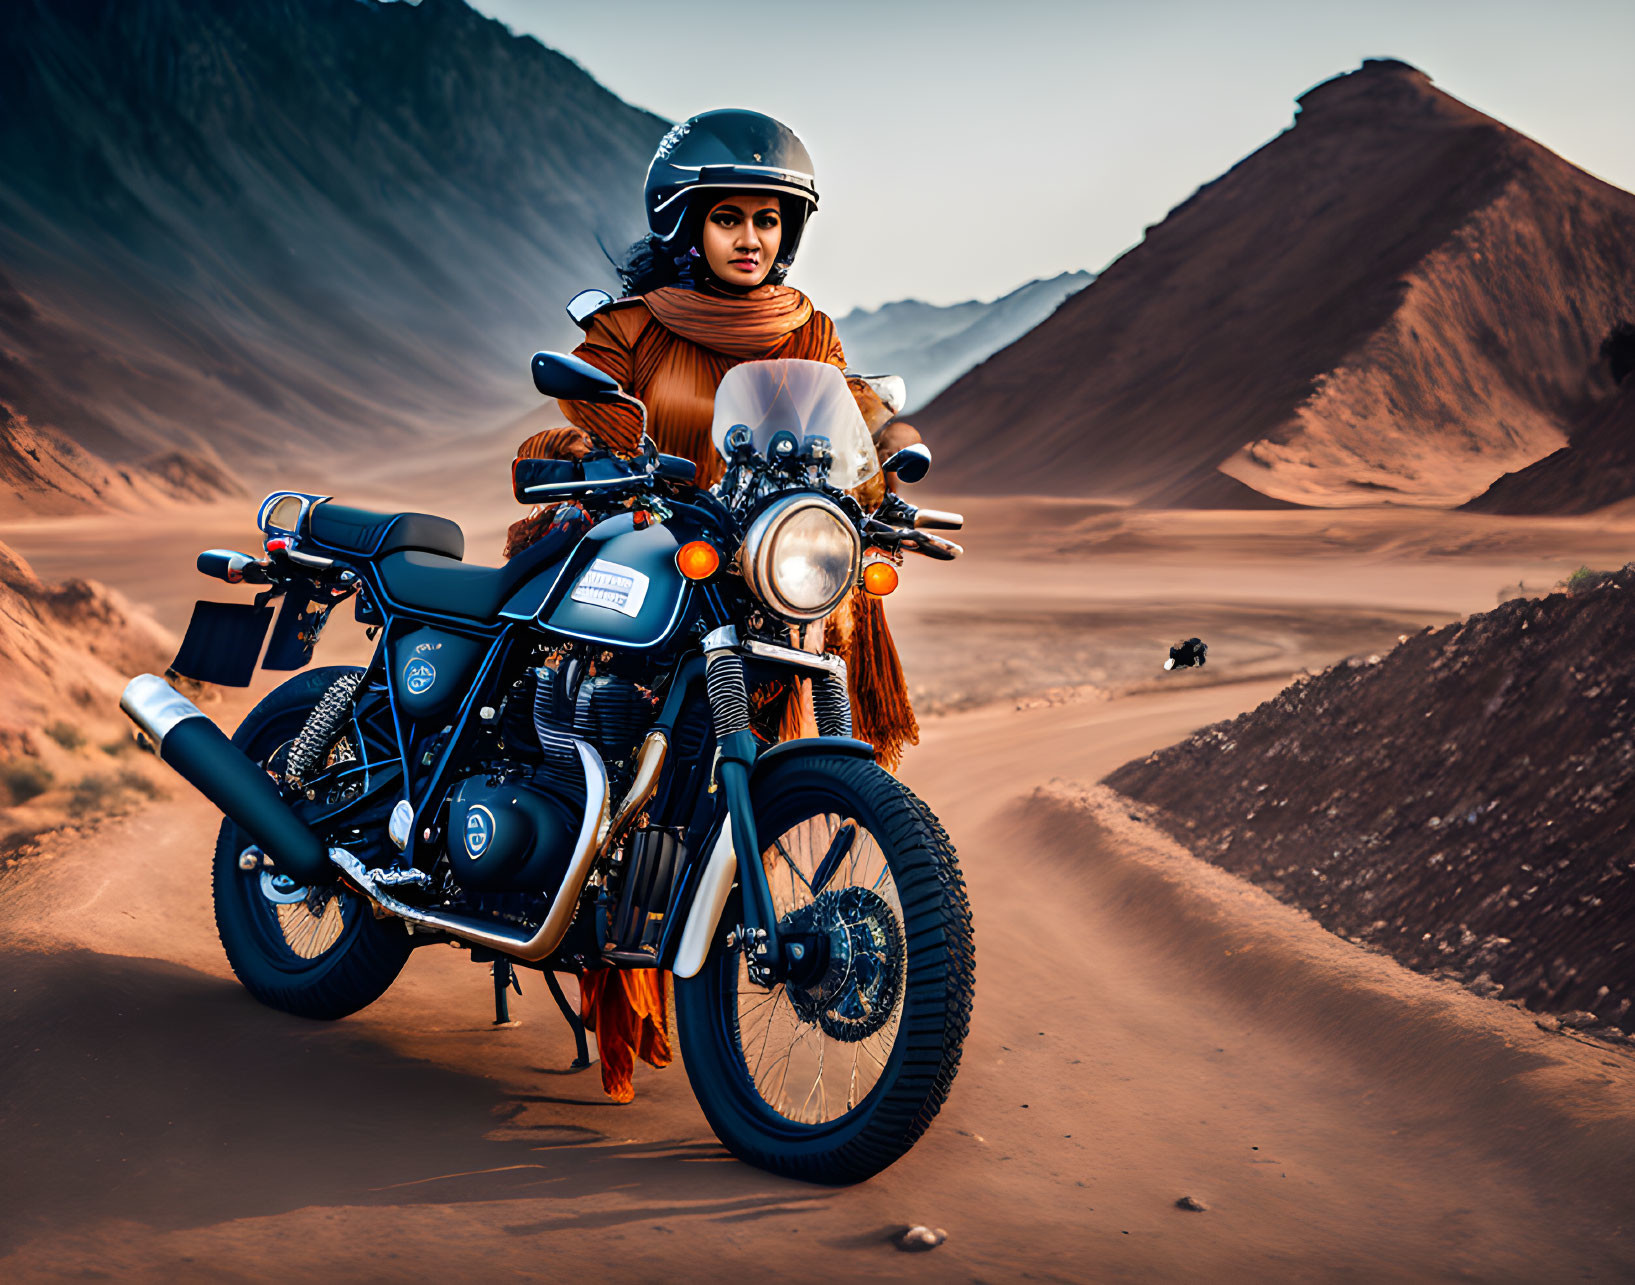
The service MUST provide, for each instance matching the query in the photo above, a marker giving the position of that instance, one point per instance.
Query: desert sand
(1147, 1027)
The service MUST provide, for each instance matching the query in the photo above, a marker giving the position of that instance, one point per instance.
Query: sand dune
(66, 647)
(1454, 800)
(1396, 300)
(66, 753)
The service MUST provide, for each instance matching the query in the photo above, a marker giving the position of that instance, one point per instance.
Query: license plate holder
(295, 635)
(222, 643)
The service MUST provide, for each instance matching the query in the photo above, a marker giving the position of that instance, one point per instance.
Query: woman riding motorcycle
(728, 195)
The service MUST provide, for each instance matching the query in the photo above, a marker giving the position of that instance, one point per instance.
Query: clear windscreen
(810, 399)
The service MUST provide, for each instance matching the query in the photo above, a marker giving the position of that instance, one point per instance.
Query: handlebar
(904, 526)
(233, 567)
(932, 546)
(537, 479)
(583, 487)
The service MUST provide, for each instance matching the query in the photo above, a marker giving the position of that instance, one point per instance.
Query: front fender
(787, 751)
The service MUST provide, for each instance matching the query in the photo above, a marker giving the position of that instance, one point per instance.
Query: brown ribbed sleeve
(614, 345)
(822, 341)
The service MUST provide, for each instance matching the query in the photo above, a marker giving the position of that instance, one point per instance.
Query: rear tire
(345, 958)
(911, 980)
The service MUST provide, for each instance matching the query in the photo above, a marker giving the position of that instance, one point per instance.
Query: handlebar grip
(933, 546)
(938, 520)
(232, 566)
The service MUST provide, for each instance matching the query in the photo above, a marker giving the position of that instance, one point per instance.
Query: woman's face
(741, 238)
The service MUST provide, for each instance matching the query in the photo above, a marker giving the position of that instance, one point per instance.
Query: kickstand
(574, 1020)
(505, 979)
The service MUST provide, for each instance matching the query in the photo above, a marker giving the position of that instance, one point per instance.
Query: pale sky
(963, 148)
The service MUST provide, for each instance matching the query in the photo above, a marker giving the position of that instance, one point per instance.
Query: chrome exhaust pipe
(530, 944)
(185, 738)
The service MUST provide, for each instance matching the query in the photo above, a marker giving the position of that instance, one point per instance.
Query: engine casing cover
(514, 835)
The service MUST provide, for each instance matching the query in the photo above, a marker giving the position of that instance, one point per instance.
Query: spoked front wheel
(834, 1074)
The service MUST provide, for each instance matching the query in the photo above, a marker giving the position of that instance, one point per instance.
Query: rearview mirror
(890, 389)
(586, 304)
(559, 375)
(911, 463)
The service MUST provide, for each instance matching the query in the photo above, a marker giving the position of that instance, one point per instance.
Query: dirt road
(1146, 1029)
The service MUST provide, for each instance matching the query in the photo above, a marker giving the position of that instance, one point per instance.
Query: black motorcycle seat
(429, 582)
(339, 526)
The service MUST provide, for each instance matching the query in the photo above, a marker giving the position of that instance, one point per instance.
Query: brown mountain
(279, 227)
(43, 473)
(1397, 299)
(1598, 469)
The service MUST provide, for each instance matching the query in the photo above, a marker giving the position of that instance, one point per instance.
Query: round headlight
(800, 557)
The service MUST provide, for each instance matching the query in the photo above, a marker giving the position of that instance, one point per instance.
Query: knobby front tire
(834, 1080)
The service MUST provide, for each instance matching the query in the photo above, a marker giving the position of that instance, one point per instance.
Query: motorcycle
(554, 764)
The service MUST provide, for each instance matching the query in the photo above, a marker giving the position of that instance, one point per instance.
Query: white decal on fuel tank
(611, 585)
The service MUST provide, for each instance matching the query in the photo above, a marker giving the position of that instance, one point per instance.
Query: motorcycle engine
(513, 831)
(609, 712)
(512, 827)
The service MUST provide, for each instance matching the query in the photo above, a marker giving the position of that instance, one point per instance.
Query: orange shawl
(670, 348)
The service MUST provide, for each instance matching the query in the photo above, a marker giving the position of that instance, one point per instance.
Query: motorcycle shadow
(139, 1089)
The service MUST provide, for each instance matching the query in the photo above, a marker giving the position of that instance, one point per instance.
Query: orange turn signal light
(698, 560)
(879, 578)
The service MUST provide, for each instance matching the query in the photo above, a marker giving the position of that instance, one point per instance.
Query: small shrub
(119, 745)
(94, 794)
(100, 795)
(24, 779)
(66, 735)
(14, 841)
(1585, 579)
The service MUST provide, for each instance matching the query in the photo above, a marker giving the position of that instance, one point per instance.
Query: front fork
(728, 691)
(770, 955)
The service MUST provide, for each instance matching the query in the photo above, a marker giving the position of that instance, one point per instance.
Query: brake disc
(860, 988)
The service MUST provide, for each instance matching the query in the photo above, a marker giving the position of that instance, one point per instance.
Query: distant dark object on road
(1190, 652)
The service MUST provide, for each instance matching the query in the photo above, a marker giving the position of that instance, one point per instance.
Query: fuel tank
(620, 585)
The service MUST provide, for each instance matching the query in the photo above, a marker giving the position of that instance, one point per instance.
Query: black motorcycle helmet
(730, 150)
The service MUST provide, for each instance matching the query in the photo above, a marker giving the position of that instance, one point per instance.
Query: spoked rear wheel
(315, 952)
(832, 1075)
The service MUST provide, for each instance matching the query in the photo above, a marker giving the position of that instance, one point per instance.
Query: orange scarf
(746, 326)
